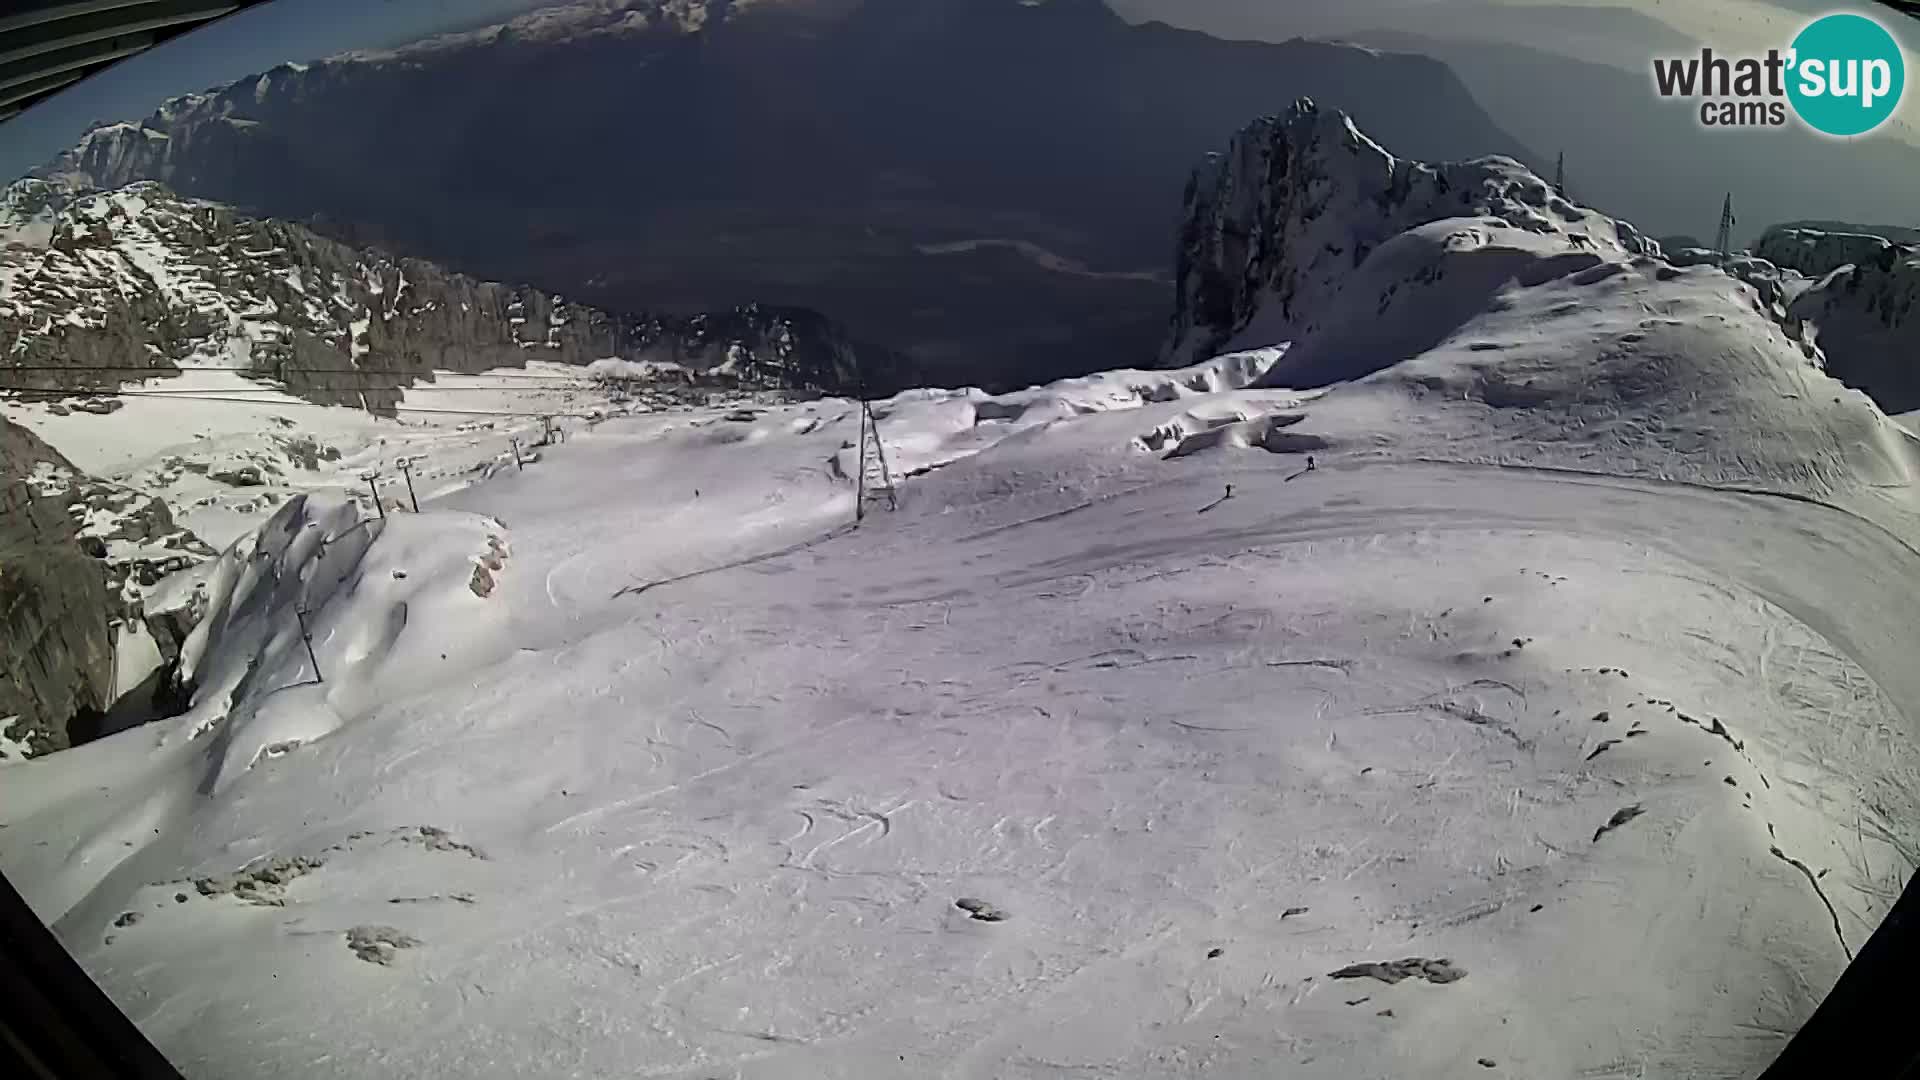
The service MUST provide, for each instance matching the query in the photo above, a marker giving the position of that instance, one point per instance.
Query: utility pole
(1560, 175)
(300, 613)
(373, 490)
(875, 477)
(1723, 240)
(875, 458)
(860, 472)
(26, 505)
(406, 470)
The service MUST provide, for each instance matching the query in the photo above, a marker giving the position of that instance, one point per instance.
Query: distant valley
(696, 156)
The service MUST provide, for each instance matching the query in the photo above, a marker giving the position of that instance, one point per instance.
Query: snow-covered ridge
(1815, 253)
(572, 21)
(1867, 315)
(1466, 304)
(111, 148)
(1275, 225)
(1853, 294)
(106, 143)
(1307, 231)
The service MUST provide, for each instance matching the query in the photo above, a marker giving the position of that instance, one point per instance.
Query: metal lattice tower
(874, 480)
(1723, 239)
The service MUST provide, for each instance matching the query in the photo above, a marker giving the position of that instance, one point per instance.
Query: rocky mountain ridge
(1436, 306)
(1864, 301)
(844, 158)
(98, 288)
(77, 556)
(1275, 225)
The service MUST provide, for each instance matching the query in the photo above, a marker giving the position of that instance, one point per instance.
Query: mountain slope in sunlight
(1425, 692)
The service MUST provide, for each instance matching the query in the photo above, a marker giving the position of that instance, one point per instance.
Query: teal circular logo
(1846, 74)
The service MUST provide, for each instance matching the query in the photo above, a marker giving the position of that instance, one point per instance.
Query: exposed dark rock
(980, 910)
(136, 282)
(376, 944)
(67, 589)
(1392, 971)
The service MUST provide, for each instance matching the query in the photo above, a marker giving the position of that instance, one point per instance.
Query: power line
(166, 373)
(256, 402)
(162, 391)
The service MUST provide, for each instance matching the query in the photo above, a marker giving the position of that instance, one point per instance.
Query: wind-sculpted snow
(377, 596)
(1623, 365)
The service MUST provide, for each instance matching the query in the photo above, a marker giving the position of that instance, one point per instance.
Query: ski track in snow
(715, 773)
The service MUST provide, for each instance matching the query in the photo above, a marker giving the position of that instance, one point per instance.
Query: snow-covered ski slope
(225, 451)
(1559, 723)
(640, 763)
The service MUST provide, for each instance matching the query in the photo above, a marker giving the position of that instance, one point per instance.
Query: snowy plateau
(1558, 720)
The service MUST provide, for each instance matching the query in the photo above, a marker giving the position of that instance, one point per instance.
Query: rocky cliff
(1275, 226)
(1864, 304)
(76, 554)
(1816, 252)
(103, 287)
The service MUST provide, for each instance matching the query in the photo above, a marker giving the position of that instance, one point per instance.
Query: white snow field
(225, 450)
(1070, 767)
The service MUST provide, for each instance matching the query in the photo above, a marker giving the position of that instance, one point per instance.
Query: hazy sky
(214, 55)
(283, 30)
(1750, 25)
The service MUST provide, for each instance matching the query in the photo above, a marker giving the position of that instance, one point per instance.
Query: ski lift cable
(215, 397)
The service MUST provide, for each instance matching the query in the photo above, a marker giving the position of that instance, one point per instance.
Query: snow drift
(388, 602)
(391, 606)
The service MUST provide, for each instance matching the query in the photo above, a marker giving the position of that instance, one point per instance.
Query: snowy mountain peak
(571, 21)
(1298, 201)
(1468, 297)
